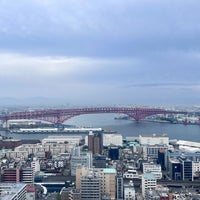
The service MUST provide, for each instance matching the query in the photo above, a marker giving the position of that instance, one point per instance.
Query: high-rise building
(91, 186)
(120, 186)
(175, 169)
(186, 169)
(148, 182)
(95, 142)
(35, 165)
(106, 176)
(79, 158)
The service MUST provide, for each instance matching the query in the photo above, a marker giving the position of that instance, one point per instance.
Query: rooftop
(153, 135)
(109, 171)
(148, 176)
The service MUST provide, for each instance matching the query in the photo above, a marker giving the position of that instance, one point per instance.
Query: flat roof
(189, 143)
(148, 176)
(153, 135)
(109, 171)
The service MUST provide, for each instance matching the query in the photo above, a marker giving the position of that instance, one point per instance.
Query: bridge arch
(61, 115)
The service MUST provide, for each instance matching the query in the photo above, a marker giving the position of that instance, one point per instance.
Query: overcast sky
(100, 52)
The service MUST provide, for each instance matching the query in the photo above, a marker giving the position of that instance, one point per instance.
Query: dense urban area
(92, 163)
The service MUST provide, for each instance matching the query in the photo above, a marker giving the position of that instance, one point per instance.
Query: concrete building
(11, 175)
(91, 186)
(119, 187)
(99, 161)
(154, 139)
(79, 158)
(129, 191)
(151, 151)
(39, 149)
(13, 191)
(16, 175)
(95, 142)
(72, 139)
(187, 171)
(112, 139)
(148, 182)
(196, 168)
(155, 169)
(107, 177)
(175, 169)
(159, 193)
(35, 165)
(8, 153)
(26, 175)
(70, 194)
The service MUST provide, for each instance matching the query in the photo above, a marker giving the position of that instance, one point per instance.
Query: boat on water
(122, 117)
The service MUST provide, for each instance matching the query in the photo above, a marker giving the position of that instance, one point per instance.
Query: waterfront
(126, 127)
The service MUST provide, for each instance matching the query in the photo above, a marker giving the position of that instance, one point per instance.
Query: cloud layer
(93, 52)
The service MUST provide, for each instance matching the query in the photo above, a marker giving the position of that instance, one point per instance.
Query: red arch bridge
(61, 115)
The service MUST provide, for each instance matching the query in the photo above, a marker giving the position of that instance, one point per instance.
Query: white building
(154, 139)
(13, 191)
(130, 174)
(37, 149)
(148, 182)
(155, 169)
(35, 165)
(79, 158)
(22, 155)
(129, 191)
(196, 168)
(151, 151)
(72, 139)
(112, 139)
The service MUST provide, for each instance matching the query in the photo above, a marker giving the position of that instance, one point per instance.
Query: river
(126, 127)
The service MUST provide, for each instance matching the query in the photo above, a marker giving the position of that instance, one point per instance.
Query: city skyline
(99, 52)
